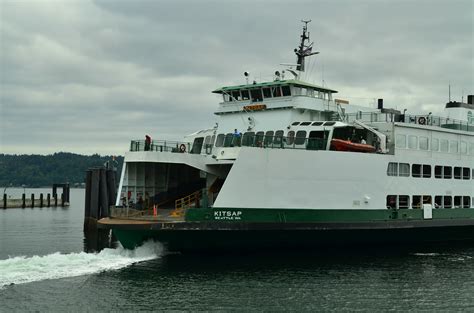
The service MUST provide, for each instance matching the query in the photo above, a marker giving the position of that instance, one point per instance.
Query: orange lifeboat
(346, 145)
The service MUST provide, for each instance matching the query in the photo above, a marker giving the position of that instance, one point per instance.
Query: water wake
(21, 269)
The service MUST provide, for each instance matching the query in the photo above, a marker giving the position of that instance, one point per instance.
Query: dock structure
(39, 201)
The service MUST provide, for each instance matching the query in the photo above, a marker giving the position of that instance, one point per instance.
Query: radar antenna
(304, 50)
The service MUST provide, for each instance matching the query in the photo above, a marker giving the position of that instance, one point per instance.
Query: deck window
(412, 142)
(403, 202)
(423, 143)
(197, 145)
(453, 146)
(465, 173)
(317, 124)
(392, 169)
(290, 139)
(416, 170)
(391, 202)
(438, 202)
(447, 172)
(435, 144)
(426, 171)
(457, 172)
(267, 93)
(466, 202)
(295, 123)
(220, 140)
(448, 202)
(300, 137)
(286, 91)
(463, 147)
(404, 169)
(247, 139)
(305, 124)
(268, 138)
(329, 123)
(444, 145)
(438, 171)
(416, 203)
(401, 141)
(457, 202)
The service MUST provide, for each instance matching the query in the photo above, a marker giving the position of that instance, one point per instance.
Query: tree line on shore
(33, 170)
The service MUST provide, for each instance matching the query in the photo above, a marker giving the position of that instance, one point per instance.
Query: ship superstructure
(288, 160)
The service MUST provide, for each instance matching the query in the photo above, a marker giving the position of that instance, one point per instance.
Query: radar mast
(305, 49)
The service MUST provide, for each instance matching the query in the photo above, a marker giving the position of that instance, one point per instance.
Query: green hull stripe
(305, 215)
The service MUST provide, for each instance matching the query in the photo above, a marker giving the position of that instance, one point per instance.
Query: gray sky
(89, 76)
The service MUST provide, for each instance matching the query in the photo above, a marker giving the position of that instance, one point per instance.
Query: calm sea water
(43, 267)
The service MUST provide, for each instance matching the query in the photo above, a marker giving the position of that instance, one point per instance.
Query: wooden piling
(48, 200)
(23, 201)
(94, 204)
(55, 199)
(32, 200)
(62, 199)
(41, 200)
(4, 200)
(104, 199)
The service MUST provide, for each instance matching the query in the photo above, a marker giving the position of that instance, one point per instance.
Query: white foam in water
(21, 269)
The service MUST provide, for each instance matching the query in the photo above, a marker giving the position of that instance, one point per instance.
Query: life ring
(182, 148)
(422, 120)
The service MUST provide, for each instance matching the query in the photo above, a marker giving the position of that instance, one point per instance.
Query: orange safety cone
(154, 210)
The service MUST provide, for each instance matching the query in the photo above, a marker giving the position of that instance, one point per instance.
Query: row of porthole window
(424, 170)
(441, 145)
(417, 201)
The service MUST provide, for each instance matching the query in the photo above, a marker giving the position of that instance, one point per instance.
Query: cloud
(89, 76)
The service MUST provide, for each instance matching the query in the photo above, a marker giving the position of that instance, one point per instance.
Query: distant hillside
(45, 170)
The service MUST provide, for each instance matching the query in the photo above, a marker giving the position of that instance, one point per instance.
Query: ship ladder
(183, 203)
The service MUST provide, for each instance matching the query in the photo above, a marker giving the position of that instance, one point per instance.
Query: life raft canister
(182, 148)
(422, 120)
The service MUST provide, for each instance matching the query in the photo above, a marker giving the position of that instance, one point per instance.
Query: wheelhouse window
(247, 139)
(220, 140)
(300, 137)
(438, 171)
(305, 123)
(268, 138)
(290, 137)
(278, 140)
(426, 171)
(197, 145)
(276, 91)
(458, 202)
(236, 95)
(256, 95)
(447, 202)
(245, 94)
(267, 93)
(317, 124)
(259, 138)
(438, 203)
(286, 91)
(466, 202)
(228, 140)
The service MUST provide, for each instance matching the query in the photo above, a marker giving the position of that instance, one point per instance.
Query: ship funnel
(380, 104)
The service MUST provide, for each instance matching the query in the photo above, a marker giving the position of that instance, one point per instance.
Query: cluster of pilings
(39, 202)
(100, 194)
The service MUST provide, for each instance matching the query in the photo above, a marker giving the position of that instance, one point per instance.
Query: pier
(39, 201)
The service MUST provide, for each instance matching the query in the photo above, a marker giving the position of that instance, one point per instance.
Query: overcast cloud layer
(89, 76)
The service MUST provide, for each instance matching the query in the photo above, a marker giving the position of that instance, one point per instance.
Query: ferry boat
(290, 165)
